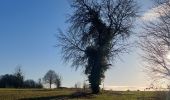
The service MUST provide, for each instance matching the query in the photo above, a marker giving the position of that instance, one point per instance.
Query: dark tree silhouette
(16, 80)
(32, 84)
(57, 81)
(8, 81)
(50, 77)
(29, 84)
(98, 33)
(20, 76)
(39, 81)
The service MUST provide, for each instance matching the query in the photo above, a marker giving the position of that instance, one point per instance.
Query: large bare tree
(97, 35)
(155, 42)
(50, 77)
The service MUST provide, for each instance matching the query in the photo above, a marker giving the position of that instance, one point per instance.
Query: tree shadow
(76, 95)
(148, 98)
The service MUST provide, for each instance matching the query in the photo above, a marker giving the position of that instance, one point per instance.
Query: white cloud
(150, 15)
(155, 12)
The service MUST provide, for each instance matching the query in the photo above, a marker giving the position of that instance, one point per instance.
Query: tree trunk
(94, 79)
(96, 74)
(50, 84)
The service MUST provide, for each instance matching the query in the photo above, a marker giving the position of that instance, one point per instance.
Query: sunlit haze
(168, 55)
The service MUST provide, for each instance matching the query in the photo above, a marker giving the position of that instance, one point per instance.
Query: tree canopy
(97, 35)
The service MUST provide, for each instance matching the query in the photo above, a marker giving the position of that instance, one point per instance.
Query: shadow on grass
(76, 95)
(118, 93)
(148, 98)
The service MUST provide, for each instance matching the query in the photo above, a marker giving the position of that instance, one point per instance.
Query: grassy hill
(73, 94)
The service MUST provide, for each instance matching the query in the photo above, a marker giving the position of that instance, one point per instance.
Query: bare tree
(77, 85)
(58, 80)
(97, 35)
(85, 86)
(155, 42)
(50, 77)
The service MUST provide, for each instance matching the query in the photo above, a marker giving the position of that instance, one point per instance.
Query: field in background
(73, 94)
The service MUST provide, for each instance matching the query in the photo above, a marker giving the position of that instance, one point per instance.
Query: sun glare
(168, 55)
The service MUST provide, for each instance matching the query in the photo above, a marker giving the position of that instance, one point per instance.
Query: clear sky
(27, 38)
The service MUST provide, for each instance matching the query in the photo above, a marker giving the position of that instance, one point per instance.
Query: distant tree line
(16, 80)
(12, 81)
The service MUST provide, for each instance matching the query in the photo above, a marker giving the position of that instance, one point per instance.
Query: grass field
(72, 94)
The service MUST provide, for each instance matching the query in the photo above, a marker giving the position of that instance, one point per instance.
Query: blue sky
(27, 38)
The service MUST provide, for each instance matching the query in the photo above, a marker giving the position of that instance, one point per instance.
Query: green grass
(15, 94)
(72, 94)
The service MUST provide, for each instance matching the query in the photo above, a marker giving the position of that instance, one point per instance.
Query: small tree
(39, 84)
(39, 81)
(77, 85)
(58, 81)
(85, 86)
(20, 76)
(50, 77)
